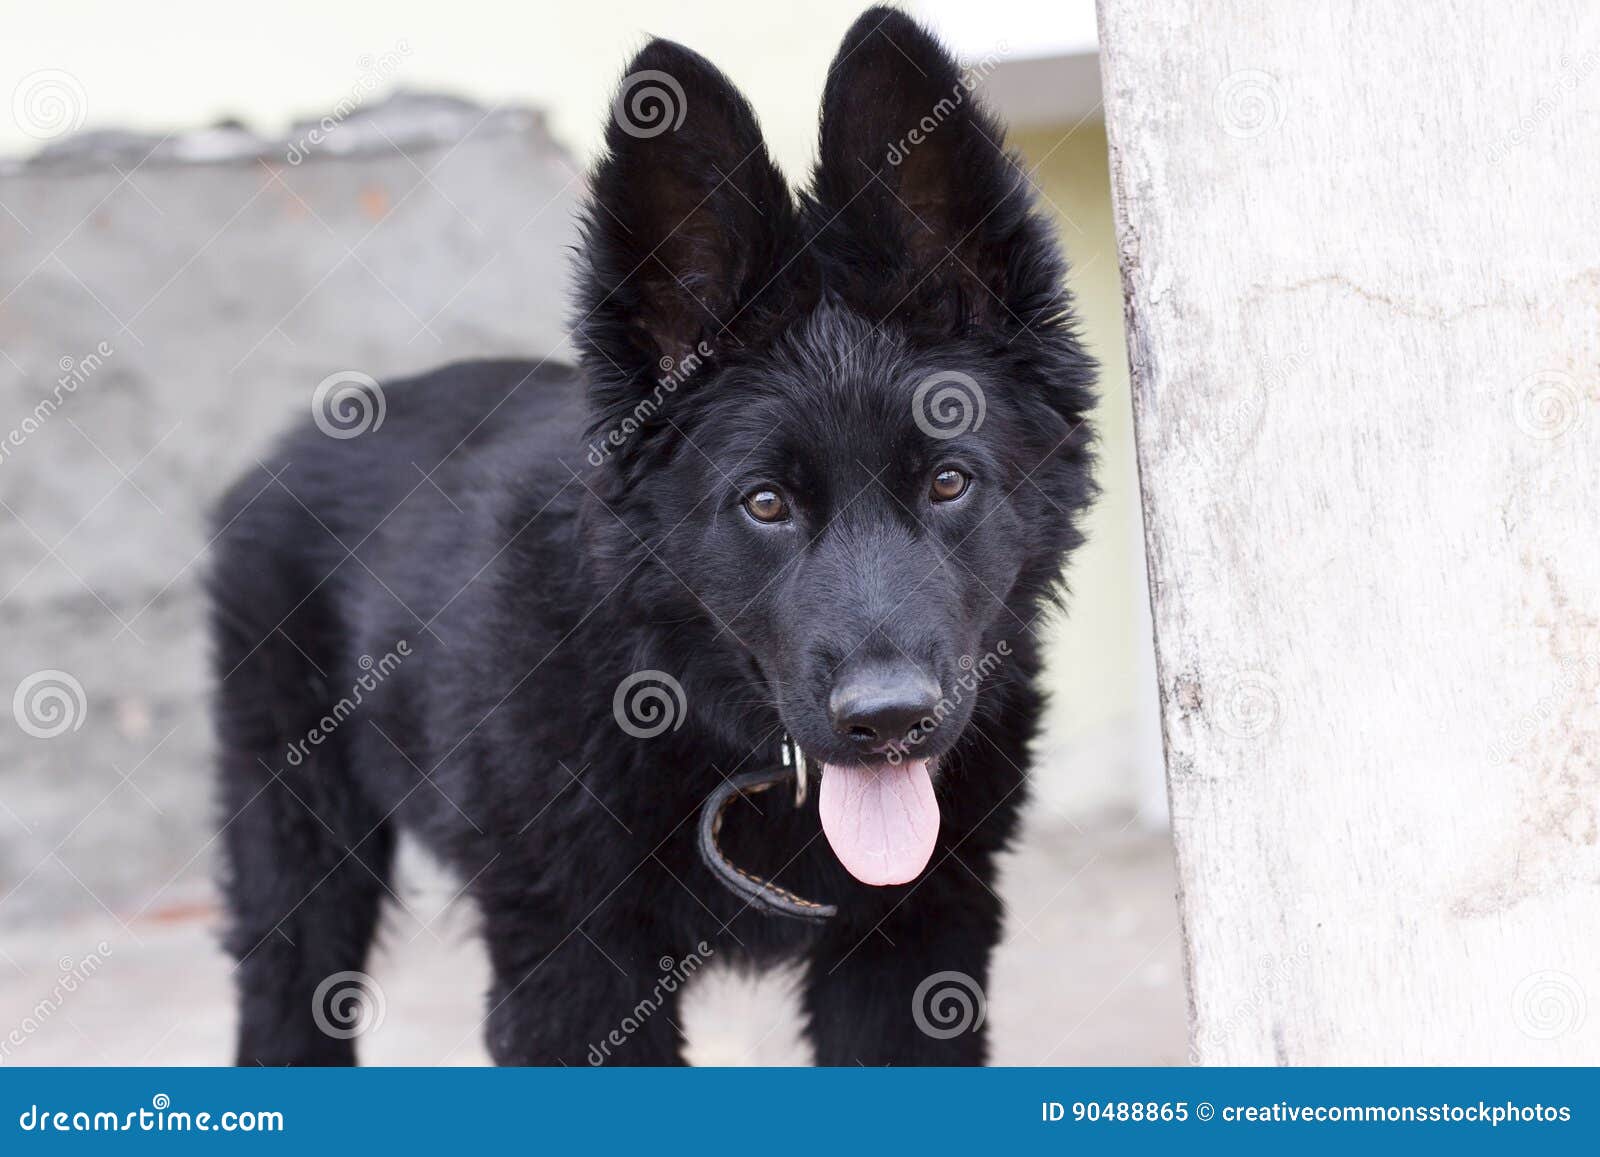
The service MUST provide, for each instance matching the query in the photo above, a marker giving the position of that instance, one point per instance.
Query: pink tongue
(881, 820)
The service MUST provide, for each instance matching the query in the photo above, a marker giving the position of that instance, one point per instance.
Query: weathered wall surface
(168, 306)
(1364, 319)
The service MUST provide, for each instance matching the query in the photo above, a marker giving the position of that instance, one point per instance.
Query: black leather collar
(758, 893)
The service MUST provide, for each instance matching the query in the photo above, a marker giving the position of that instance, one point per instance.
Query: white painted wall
(1361, 250)
(183, 62)
(157, 67)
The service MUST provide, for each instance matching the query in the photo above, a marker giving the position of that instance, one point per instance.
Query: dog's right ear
(687, 227)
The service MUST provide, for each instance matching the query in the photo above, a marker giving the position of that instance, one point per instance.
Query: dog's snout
(878, 705)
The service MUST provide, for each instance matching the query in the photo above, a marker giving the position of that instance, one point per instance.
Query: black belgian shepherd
(810, 487)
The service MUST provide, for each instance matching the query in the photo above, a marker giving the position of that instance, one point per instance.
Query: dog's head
(840, 436)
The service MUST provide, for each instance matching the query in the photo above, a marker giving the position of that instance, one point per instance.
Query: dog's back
(317, 600)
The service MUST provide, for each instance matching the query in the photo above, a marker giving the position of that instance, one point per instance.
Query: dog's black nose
(879, 704)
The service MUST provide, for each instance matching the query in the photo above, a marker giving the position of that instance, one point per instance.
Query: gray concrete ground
(1089, 973)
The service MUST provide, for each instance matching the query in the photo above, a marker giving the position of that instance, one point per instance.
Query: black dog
(816, 477)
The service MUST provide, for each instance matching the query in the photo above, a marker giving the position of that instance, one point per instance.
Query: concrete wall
(1362, 294)
(163, 318)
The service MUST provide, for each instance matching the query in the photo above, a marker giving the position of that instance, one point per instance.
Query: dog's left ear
(688, 224)
(920, 211)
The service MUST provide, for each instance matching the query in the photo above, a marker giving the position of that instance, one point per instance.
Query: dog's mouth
(881, 818)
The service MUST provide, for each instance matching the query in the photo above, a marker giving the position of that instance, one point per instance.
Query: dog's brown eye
(766, 506)
(948, 485)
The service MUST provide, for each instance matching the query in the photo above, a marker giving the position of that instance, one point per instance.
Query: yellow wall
(1095, 653)
(187, 62)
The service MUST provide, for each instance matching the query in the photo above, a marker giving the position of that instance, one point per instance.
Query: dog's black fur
(568, 535)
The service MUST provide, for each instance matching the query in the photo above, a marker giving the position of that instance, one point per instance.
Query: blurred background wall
(195, 283)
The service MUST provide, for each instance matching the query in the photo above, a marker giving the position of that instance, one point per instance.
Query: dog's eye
(949, 484)
(766, 506)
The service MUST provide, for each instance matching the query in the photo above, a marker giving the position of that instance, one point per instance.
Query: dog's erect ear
(920, 211)
(688, 222)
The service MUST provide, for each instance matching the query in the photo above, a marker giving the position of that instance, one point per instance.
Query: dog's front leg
(909, 988)
(590, 997)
